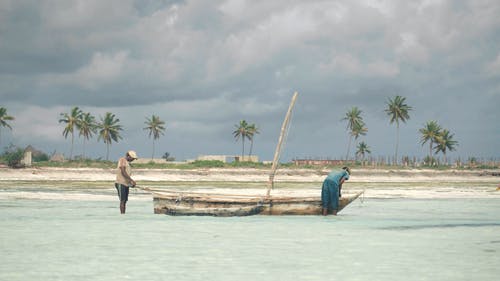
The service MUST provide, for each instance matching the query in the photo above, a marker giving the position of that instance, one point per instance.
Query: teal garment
(330, 189)
(336, 176)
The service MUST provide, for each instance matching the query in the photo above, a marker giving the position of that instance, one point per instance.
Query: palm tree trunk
(107, 151)
(251, 147)
(153, 155)
(348, 148)
(71, 151)
(243, 148)
(83, 148)
(430, 153)
(397, 143)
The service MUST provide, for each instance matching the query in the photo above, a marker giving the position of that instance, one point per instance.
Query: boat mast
(277, 152)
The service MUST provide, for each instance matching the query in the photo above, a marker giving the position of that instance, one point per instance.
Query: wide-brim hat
(132, 154)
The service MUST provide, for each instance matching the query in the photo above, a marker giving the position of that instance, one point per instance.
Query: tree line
(108, 129)
(440, 140)
(244, 130)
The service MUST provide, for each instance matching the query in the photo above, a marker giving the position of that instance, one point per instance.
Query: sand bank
(377, 183)
(248, 175)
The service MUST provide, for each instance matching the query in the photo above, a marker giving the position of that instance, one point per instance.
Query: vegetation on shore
(13, 158)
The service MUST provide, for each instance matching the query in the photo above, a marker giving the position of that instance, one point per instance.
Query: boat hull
(189, 204)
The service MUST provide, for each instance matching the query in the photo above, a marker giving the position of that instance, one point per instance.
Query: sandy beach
(377, 183)
(248, 175)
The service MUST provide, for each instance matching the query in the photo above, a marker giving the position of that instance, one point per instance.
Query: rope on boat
(144, 188)
(362, 199)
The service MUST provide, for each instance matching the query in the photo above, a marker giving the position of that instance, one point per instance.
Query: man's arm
(127, 176)
(340, 186)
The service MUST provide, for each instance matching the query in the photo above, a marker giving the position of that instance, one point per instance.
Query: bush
(246, 164)
(13, 156)
(40, 157)
(208, 164)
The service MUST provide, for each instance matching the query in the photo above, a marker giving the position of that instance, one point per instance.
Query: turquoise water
(379, 239)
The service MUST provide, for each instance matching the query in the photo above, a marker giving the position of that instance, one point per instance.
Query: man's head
(131, 155)
(347, 170)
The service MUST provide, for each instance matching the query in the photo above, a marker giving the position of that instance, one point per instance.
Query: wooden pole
(277, 152)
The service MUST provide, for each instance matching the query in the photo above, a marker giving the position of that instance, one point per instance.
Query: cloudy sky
(202, 66)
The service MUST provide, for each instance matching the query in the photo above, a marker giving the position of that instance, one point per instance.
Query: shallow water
(85, 238)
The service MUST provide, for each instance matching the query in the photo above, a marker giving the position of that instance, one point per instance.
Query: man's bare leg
(122, 207)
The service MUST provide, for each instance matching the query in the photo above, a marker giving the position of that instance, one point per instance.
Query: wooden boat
(226, 205)
(211, 204)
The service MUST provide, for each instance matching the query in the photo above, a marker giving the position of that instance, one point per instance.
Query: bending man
(331, 190)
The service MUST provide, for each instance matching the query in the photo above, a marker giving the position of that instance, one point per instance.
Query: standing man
(331, 189)
(123, 179)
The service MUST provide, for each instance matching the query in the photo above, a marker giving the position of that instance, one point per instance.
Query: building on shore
(229, 158)
(321, 162)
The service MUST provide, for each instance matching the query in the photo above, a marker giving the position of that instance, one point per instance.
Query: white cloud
(84, 14)
(34, 124)
(101, 69)
(221, 61)
(411, 49)
(348, 64)
(384, 7)
(493, 68)
(424, 4)
(234, 8)
(273, 33)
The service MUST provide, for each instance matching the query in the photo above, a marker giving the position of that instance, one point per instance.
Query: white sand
(377, 183)
(247, 175)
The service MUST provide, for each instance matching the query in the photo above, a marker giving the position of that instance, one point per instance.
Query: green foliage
(208, 164)
(241, 131)
(488, 166)
(109, 130)
(71, 120)
(86, 163)
(39, 157)
(167, 157)
(430, 161)
(13, 156)
(246, 164)
(355, 126)
(155, 126)
(398, 110)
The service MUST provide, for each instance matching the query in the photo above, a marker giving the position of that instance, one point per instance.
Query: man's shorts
(122, 192)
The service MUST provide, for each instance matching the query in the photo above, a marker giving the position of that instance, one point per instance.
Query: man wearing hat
(331, 190)
(123, 179)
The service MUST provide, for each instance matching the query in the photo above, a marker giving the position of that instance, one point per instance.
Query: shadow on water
(434, 226)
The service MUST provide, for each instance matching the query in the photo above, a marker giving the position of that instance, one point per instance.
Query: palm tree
(430, 133)
(353, 118)
(445, 142)
(363, 149)
(87, 127)
(71, 121)
(359, 130)
(155, 127)
(241, 132)
(4, 118)
(398, 110)
(109, 130)
(252, 131)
